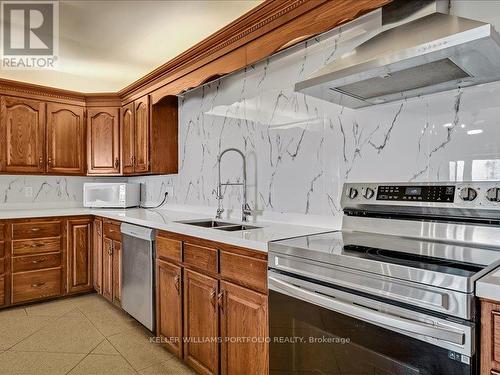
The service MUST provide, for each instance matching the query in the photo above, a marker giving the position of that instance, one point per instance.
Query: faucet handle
(220, 211)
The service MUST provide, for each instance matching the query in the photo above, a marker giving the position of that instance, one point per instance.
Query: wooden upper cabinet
(79, 255)
(103, 142)
(65, 139)
(22, 134)
(127, 117)
(141, 160)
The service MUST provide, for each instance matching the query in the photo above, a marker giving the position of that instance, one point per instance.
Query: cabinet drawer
(204, 258)
(36, 246)
(244, 270)
(2, 249)
(168, 249)
(112, 231)
(35, 262)
(36, 230)
(34, 285)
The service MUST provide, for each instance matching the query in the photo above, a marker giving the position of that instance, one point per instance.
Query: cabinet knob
(37, 285)
(40, 162)
(117, 163)
(49, 161)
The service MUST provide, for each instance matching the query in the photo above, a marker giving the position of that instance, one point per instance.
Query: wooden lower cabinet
(108, 261)
(201, 322)
(97, 255)
(34, 285)
(107, 268)
(205, 315)
(79, 254)
(2, 290)
(490, 337)
(169, 305)
(243, 316)
(117, 273)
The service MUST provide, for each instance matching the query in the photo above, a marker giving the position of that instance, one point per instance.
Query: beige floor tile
(70, 333)
(105, 348)
(103, 365)
(19, 363)
(53, 308)
(135, 346)
(110, 320)
(17, 326)
(172, 367)
(12, 312)
(94, 302)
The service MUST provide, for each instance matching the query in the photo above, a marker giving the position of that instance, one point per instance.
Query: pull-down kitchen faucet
(245, 208)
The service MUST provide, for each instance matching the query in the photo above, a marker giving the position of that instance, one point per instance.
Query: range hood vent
(424, 52)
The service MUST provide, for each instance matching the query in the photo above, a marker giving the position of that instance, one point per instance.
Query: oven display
(438, 193)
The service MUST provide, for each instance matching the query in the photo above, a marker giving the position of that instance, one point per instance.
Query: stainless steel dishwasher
(138, 254)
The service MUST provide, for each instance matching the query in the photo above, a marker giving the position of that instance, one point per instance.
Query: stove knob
(352, 193)
(468, 194)
(369, 192)
(493, 194)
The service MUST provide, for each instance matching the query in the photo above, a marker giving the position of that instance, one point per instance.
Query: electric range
(397, 281)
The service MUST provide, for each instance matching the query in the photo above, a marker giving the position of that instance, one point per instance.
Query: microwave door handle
(371, 316)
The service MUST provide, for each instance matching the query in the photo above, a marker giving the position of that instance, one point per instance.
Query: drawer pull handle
(220, 301)
(38, 261)
(35, 229)
(212, 297)
(37, 285)
(37, 245)
(178, 284)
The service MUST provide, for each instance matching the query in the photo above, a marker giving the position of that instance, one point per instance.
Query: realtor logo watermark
(29, 35)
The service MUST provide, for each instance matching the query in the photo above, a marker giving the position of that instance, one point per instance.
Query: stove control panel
(479, 194)
(433, 193)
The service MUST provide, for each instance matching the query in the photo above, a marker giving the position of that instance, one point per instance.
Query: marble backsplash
(36, 192)
(300, 150)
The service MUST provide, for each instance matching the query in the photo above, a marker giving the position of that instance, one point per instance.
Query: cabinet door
(97, 257)
(490, 337)
(128, 138)
(141, 135)
(22, 135)
(201, 322)
(117, 272)
(103, 139)
(169, 305)
(243, 313)
(79, 255)
(65, 139)
(107, 268)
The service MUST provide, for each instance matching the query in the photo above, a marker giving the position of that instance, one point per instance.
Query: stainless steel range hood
(412, 55)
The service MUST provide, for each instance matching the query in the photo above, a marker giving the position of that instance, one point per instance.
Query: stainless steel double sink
(220, 225)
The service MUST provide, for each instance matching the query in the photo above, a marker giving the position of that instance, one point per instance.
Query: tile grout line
(106, 339)
(86, 355)
(38, 330)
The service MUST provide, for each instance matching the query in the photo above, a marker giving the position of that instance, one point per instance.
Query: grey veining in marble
(300, 149)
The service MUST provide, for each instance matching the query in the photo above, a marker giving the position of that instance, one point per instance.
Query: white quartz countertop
(165, 219)
(489, 286)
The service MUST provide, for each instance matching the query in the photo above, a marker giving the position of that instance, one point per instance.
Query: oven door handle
(378, 318)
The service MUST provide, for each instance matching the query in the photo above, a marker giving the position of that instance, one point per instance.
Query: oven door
(318, 329)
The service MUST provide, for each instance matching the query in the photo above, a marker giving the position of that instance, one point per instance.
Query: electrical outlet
(28, 191)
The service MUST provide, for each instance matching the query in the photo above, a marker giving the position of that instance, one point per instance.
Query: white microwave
(111, 194)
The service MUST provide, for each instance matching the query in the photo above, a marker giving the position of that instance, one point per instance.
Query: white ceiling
(106, 45)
